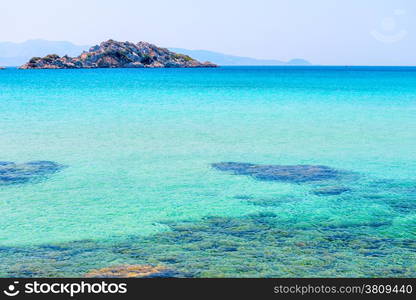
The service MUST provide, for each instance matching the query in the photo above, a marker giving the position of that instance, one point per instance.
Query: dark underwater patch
(14, 173)
(331, 191)
(243, 197)
(274, 201)
(286, 173)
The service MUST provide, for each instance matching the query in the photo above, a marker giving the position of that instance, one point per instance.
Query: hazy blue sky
(353, 32)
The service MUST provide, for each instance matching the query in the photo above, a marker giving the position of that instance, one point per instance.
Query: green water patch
(259, 245)
(399, 195)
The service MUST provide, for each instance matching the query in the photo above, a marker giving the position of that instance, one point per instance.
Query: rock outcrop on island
(113, 54)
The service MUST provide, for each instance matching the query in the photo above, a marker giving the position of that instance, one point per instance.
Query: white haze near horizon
(326, 32)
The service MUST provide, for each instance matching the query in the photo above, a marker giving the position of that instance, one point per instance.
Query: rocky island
(113, 54)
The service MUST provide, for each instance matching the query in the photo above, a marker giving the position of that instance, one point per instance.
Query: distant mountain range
(17, 54)
(232, 60)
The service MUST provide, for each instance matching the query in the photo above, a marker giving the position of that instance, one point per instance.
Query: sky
(326, 32)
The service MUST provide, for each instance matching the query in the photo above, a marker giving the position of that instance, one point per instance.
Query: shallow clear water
(138, 186)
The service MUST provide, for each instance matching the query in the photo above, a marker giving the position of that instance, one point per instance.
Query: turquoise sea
(138, 186)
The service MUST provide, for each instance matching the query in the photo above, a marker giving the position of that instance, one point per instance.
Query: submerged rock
(243, 197)
(113, 54)
(131, 271)
(331, 190)
(262, 245)
(290, 173)
(273, 201)
(12, 173)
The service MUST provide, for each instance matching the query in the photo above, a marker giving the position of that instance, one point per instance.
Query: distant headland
(114, 54)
